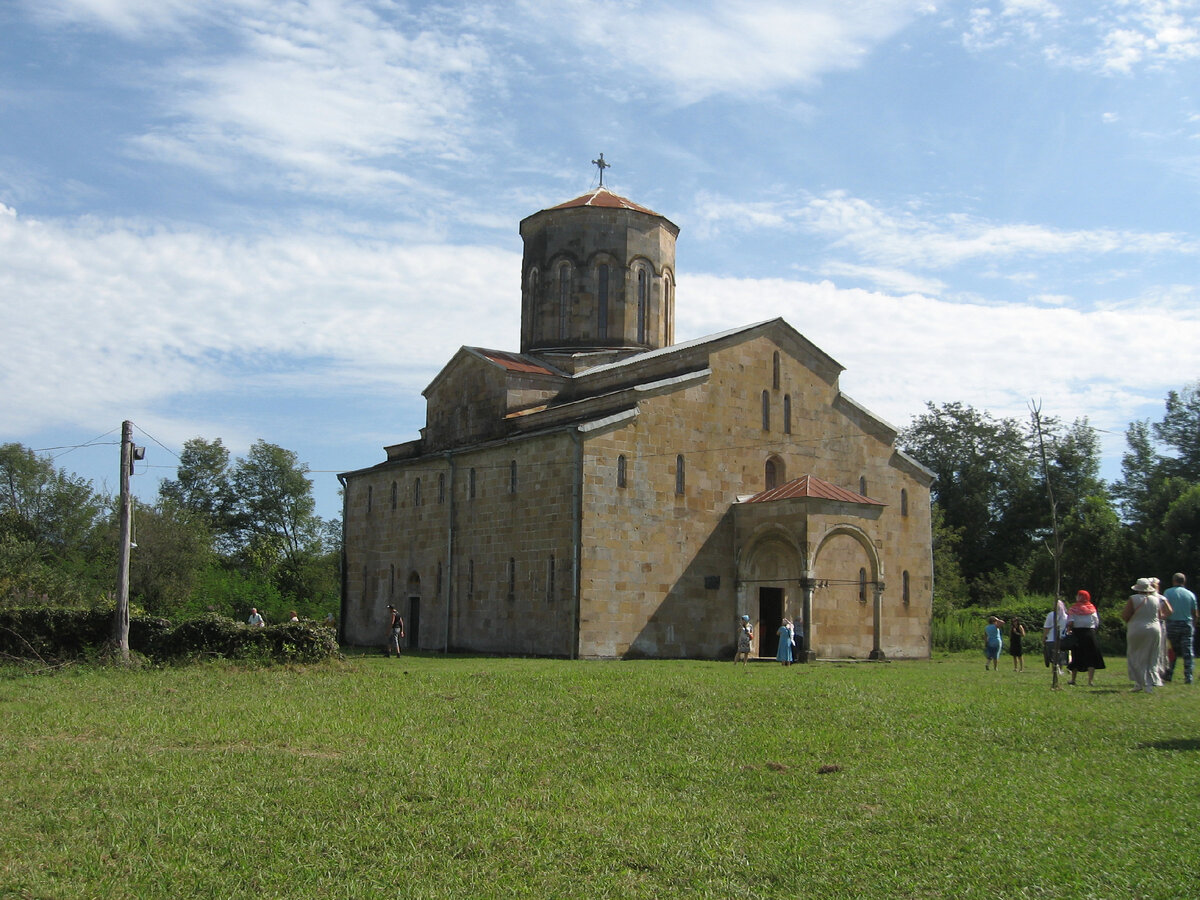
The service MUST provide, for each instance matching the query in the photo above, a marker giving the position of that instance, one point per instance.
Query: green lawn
(470, 777)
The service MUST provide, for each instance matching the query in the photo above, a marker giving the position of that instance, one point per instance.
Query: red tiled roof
(811, 486)
(513, 362)
(605, 199)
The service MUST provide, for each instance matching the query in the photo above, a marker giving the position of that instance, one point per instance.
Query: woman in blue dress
(784, 653)
(993, 642)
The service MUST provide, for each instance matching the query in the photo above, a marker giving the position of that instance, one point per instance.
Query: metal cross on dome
(601, 165)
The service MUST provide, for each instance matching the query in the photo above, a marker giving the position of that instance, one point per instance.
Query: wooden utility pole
(121, 618)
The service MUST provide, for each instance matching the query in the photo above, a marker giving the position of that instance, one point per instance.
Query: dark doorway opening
(770, 617)
(414, 622)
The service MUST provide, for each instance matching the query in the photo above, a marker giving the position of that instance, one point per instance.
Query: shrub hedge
(55, 635)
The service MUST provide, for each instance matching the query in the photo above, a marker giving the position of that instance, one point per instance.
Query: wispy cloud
(103, 316)
(1114, 37)
(737, 47)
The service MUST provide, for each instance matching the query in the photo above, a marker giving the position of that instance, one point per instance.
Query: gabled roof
(606, 199)
(514, 362)
(813, 487)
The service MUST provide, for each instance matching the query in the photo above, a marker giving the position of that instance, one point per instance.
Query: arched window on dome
(622, 471)
(602, 301)
(668, 306)
(643, 302)
(680, 480)
(564, 299)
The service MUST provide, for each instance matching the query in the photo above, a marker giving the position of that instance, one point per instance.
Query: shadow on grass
(1172, 744)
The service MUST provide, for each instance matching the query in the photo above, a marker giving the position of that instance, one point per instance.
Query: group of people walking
(1159, 628)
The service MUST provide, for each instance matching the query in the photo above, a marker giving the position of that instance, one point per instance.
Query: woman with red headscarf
(1083, 621)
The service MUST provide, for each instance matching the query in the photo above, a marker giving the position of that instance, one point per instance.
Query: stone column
(876, 650)
(805, 652)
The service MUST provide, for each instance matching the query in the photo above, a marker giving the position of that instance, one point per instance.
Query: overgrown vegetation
(46, 637)
(439, 777)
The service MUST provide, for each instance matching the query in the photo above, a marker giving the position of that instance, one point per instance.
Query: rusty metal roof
(605, 199)
(812, 486)
(514, 362)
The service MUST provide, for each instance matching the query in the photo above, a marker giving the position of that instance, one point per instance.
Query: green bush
(56, 635)
(962, 629)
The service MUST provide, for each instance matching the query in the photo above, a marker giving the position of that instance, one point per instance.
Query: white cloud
(699, 49)
(102, 317)
(1114, 37)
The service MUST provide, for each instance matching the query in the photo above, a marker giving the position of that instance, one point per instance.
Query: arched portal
(770, 572)
(847, 583)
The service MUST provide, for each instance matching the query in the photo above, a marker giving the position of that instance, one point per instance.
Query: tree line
(993, 529)
(224, 535)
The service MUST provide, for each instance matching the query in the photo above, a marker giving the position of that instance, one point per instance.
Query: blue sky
(278, 219)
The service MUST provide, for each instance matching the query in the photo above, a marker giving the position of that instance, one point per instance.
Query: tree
(172, 549)
(985, 485)
(50, 534)
(204, 488)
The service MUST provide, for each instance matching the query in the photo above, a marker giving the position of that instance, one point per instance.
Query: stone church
(609, 493)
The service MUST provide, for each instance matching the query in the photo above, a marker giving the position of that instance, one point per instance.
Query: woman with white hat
(744, 638)
(1143, 634)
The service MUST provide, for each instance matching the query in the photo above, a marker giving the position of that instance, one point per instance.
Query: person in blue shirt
(993, 642)
(1181, 626)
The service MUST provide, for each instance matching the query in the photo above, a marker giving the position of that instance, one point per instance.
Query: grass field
(470, 777)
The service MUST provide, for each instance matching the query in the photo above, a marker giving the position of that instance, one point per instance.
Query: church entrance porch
(770, 617)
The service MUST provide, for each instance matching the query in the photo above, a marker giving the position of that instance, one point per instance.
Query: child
(993, 642)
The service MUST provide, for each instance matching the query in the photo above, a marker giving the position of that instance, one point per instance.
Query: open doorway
(770, 617)
(414, 623)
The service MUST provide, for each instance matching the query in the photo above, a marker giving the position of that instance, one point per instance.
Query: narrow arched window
(395, 494)
(550, 578)
(441, 487)
(512, 477)
(438, 589)
(392, 582)
(370, 496)
(904, 584)
(564, 299)
(512, 578)
(470, 579)
(471, 484)
(668, 306)
(775, 370)
(904, 501)
(862, 485)
(862, 585)
(771, 474)
(417, 492)
(766, 410)
(621, 471)
(602, 301)
(679, 474)
(787, 413)
(643, 303)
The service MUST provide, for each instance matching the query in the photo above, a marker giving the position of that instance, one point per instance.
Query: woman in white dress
(1143, 634)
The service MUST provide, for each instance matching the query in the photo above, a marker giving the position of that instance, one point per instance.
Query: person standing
(1143, 635)
(255, 619)
(993, 643)
(395, 631)
(1181, 626)
(745, 638)
(1049, 636)
(784, 653)
(1084, 622)
(1016, 639)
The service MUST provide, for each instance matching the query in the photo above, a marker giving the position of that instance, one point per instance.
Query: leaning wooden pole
(121, 617)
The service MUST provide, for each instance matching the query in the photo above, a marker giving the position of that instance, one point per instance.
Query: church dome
(598, 273)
